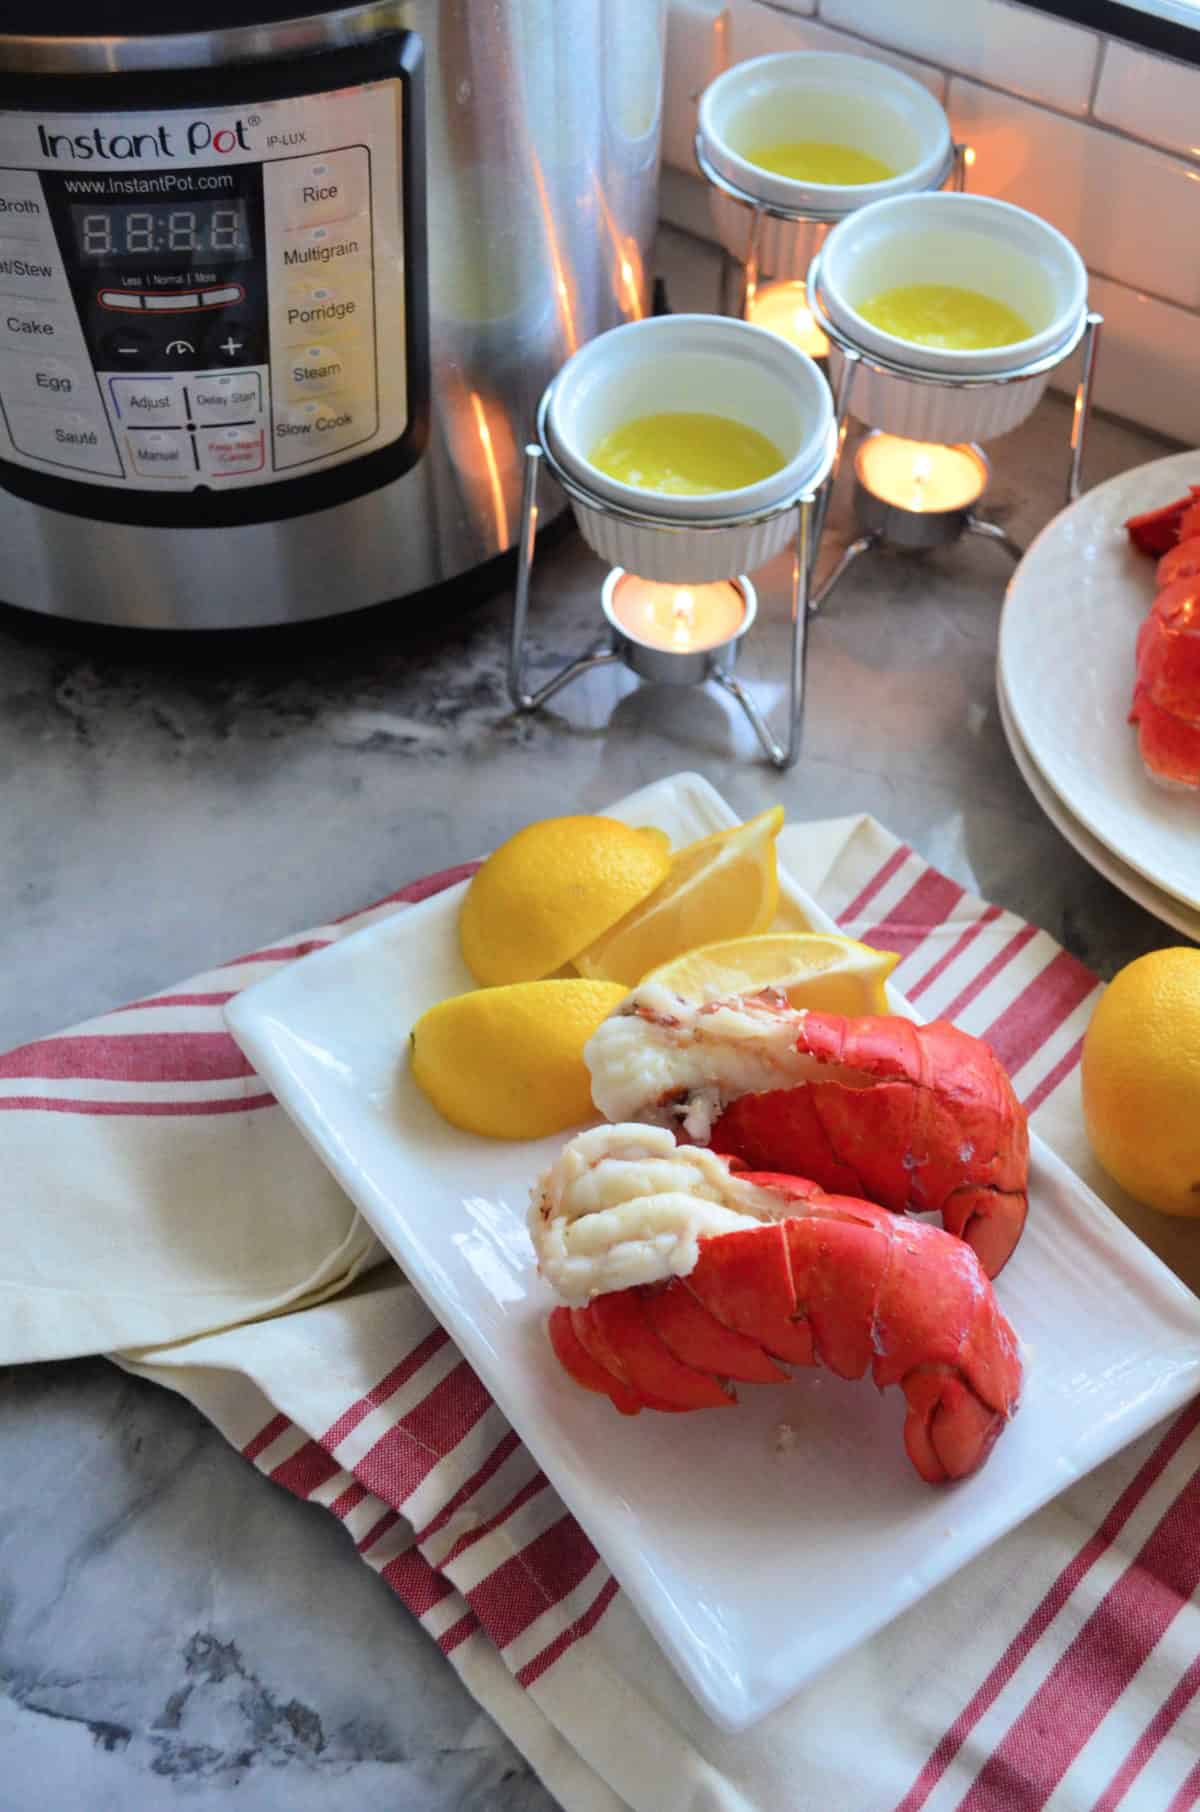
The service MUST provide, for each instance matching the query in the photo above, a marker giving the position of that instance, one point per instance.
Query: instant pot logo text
(195, 138)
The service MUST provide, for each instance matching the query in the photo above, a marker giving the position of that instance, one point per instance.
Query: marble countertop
(165, 805)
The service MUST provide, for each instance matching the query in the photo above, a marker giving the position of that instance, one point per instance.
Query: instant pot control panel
(214, 314)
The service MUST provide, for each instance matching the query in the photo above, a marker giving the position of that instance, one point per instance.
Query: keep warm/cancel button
(315, 429)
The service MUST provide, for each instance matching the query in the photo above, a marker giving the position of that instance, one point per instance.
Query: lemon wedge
(814, 969)
(724, 886)
(550, 890)
(508, 1062)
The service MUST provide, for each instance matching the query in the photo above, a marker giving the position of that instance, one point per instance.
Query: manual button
(147, 402)
(161, 452)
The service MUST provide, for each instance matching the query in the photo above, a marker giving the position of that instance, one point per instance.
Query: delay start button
(225, 396)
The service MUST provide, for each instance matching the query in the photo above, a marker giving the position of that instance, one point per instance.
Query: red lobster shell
(928, 1121)
(837, 1283)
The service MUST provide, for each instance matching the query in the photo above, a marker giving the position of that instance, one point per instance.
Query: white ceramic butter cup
(971, 242)
(823, 95)
(703, 364)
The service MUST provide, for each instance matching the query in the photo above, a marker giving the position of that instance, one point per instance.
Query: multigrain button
(327, 248)
(161, 452)
(79, 440)
(226, 452)
(146, 402)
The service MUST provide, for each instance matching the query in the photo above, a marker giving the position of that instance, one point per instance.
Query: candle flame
(683, 613)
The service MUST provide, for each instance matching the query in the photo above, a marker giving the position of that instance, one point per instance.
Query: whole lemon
(551, 890)
(1141, 1080)
(508, 1062)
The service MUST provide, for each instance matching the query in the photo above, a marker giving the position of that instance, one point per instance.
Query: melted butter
(816, 160)
(939, 314)
(686, 455)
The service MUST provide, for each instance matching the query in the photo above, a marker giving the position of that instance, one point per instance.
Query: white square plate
(753, 1569)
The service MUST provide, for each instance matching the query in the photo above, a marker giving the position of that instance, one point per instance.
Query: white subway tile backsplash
(697, 51)
(1014, 47)
(1150, 97)
(1149, 361)
(758, 31)
(1132, 212)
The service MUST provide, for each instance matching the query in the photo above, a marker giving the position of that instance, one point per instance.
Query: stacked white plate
(1065, 679)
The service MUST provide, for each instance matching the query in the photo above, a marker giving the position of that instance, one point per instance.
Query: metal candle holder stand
(876, 517)
(661, 665)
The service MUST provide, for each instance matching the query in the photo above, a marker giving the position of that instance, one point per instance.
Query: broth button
(81, 440)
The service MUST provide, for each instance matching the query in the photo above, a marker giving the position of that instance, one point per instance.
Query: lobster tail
(804, 1278)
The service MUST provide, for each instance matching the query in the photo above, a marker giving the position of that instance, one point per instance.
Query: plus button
(231, 346)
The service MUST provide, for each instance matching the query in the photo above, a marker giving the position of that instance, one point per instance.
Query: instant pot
(279, 294)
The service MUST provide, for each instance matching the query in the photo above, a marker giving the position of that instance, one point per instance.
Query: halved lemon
(724, 886)
(814, 969)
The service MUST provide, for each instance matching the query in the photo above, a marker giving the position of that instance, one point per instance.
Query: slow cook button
(313, 430)
(226, 452)
(225, 396)
(161, 452)
(146, 402)
(80, 441)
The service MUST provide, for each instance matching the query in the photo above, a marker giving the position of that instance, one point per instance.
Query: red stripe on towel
(1043, 1615)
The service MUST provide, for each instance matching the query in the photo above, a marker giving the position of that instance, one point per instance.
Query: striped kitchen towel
(1058, 1672)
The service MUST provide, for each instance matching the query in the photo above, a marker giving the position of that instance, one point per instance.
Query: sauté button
(79, 440)
(161, 452)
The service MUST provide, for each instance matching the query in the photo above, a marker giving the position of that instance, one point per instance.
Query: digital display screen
(211, 232)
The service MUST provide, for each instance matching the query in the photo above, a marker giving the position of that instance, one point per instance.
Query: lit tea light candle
(920, 476)
(783, 308)
(681, 619)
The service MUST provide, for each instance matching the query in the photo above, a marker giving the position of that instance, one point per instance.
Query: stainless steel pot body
(542, 146)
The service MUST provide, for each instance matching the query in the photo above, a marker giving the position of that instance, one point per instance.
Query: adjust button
(226, 452)
(225, 396)
(161, 452)
(146, 402)
(81, 441)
